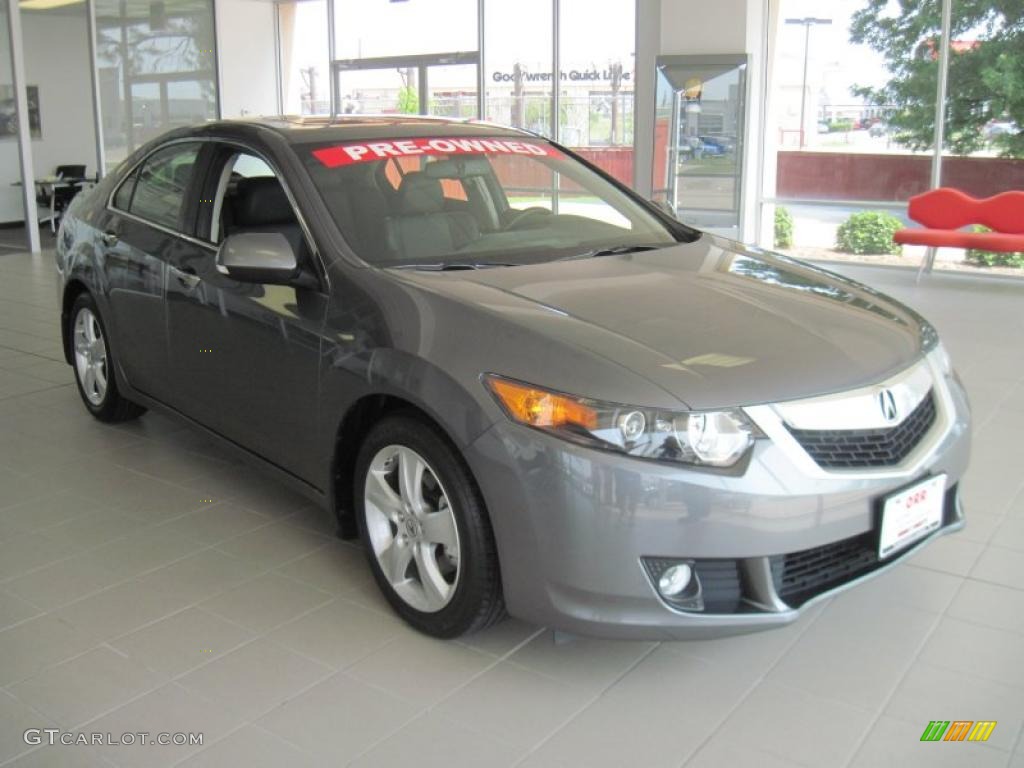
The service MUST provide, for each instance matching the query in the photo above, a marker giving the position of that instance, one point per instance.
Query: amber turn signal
(540, 408)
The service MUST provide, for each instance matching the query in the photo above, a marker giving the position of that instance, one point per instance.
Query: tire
(468, 599)
(90, 348)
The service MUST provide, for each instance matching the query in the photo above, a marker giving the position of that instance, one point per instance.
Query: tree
(408, 100)
(986, 70)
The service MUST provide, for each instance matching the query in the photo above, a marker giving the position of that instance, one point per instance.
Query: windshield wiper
(610, 251)
(446, 266)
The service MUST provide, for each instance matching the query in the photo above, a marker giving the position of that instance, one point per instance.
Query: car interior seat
(421, 227)
(259, 204)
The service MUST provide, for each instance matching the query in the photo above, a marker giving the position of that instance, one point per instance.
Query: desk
(46, 187)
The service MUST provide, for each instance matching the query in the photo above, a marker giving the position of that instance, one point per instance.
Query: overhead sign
(572, 75)
(364, 152)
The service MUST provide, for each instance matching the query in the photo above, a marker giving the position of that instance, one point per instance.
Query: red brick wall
(854, 176)
(617, 161)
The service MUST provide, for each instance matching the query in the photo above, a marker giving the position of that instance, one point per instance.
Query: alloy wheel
(412, 528)
(90, 356)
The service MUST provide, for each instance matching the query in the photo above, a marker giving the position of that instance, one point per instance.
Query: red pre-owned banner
(346, 154)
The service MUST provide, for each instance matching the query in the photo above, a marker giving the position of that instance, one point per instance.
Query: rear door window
(161, 184)
(123, 196)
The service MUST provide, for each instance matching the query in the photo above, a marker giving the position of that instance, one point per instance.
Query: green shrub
(840, 126)
(783, 228)
(868, 232)
(994, 258)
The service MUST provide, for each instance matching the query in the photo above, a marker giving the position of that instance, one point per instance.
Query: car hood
(712, 322)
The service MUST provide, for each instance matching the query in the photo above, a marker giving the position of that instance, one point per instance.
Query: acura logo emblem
(887, 402)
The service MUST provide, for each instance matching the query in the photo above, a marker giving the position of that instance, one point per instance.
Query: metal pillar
(101, 163)
(481, 71)
(28, 187)
(940, 120)
(556, 68)
(331, 55)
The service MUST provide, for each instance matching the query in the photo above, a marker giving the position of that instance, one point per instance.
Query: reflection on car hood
(715, 323)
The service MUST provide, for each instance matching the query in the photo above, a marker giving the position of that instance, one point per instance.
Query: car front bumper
(574, 526)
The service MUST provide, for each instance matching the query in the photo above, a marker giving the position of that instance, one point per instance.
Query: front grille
(729, 587)
(851, 448)
(799, 576)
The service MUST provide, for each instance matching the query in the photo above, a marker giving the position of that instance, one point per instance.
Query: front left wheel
(426, 530)
(94, 365)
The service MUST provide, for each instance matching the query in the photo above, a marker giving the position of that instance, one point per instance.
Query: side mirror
(258, 257)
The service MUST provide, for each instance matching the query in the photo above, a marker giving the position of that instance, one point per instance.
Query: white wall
(697, 26)
(56, 50)
(245, 55)
(10, 172)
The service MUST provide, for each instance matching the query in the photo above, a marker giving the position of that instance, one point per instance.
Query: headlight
(708, 438)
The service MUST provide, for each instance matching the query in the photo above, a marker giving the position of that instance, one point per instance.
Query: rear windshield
(478, 201)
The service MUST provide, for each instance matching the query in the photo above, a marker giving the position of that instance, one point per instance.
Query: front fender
(386, 372)
(80, 268)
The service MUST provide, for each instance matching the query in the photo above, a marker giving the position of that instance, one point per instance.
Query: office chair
(70, 172)
(57, 195)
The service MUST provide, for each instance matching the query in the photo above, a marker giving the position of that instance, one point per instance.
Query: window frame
(185, 213)
(211, 172)
(218, 176)
(191, 214)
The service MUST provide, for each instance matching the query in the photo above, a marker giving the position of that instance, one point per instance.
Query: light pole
(807, 22)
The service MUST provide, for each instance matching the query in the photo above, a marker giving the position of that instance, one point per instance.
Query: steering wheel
(521, 217)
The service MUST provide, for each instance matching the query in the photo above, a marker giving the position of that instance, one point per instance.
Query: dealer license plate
(911, 514)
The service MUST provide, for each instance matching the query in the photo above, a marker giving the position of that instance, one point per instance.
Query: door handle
(186, 276)
(110, 238)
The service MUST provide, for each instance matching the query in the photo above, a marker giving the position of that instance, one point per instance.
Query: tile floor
(148, 583)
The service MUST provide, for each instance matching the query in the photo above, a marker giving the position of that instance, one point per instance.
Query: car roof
(308, 130)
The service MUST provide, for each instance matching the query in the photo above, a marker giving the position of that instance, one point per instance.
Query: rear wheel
(94, 365)
(426, 529)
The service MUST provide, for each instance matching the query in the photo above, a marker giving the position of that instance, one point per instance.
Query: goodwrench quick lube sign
(347, 154)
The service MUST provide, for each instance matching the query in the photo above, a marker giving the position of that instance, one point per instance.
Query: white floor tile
(118, 534)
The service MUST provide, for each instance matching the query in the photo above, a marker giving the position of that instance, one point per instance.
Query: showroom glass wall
(852, 126)
(470, 58)
(157, 69)
(98, 79)
(984, 141)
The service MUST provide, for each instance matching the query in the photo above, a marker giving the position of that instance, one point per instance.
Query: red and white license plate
(911, 514)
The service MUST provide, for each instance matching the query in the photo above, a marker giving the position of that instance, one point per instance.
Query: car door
(142, 232)
(246, 356)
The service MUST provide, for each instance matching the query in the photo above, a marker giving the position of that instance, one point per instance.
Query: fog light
(675, 579)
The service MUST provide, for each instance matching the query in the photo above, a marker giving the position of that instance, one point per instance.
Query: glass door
(442, 84)
(701, 112)
(145, 112)
(157, 69)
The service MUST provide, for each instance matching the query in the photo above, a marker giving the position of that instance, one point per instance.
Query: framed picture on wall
(9, 115)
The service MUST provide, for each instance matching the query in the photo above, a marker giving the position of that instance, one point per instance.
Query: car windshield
(440, 202)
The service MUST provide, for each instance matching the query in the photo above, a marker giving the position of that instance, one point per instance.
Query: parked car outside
(996, 128)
